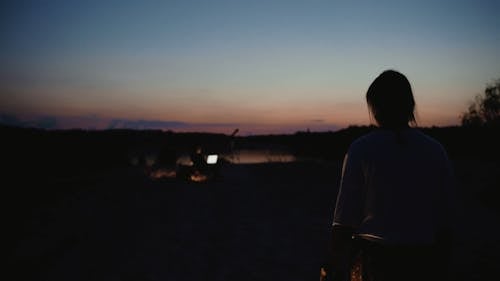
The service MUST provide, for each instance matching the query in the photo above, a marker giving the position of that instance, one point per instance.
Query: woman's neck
(394, 127)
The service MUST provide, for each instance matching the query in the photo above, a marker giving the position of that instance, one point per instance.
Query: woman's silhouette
(395, 198)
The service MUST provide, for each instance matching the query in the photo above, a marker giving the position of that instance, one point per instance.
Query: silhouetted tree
(485, 109)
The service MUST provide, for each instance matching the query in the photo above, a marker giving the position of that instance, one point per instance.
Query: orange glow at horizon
(211, 118)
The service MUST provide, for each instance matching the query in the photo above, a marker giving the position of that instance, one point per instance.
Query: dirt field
(259, 222)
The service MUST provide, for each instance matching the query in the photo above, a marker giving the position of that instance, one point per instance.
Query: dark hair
(391, 101)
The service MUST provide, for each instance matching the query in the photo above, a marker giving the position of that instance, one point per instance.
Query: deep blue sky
(266, 66)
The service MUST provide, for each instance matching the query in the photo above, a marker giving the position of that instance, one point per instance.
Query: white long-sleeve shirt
(395, 189)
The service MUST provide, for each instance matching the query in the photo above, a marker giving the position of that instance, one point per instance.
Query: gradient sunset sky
(261, 66)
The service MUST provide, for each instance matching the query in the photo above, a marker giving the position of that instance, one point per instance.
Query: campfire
(198, 177)
(163, 174)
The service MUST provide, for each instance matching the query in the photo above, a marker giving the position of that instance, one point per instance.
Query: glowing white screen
(212, 159)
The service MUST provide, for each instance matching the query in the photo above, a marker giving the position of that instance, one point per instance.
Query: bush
(485, 109)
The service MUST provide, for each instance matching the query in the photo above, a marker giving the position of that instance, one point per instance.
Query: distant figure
(198, 159)
(393, 216)
(234, 157)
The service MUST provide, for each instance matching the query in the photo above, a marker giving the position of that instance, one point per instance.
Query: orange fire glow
(163, 173)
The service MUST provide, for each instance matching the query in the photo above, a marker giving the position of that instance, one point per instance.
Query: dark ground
(260, 222)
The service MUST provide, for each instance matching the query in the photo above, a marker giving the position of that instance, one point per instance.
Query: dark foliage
(485, 109)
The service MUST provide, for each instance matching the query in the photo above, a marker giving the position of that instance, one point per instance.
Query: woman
(395, 199)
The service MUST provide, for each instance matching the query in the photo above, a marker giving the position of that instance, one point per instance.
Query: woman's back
(401, 178)
(395, 194)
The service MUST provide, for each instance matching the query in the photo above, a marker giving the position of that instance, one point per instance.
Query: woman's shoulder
(368, 140)
(374, 136)
(419, 136)
(434, 147)
(378, 138)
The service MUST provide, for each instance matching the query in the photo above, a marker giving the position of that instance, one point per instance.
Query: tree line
(485, 109)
